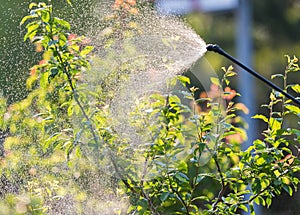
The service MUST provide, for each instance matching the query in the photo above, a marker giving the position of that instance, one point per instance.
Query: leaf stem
(178, 195)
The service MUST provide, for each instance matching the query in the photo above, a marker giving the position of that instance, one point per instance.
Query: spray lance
(219, 50)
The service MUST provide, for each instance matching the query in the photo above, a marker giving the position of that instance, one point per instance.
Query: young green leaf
(183, 79)
(86, 50)
(215, 81)
(262, 117)
(62, 23)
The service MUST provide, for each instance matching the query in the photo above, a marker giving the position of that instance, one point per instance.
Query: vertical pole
(246, 81)
(244, 54)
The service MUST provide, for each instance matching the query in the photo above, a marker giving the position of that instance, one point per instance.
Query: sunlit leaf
(31, 31)
(215, 81)
(293, 108)
(69, 2)
(274, 124)
(62, 23)
(31, 5)
(296, 88)
(86, 50)
(183, 79)
(262, 117)
(46, 17)
(288, 189)
(244, 208)
(260, 161)
(277, 75)
(25, 18)
(230, 73)
(203, 198)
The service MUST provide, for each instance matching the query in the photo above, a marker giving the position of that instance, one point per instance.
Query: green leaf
(201, 147)
(259, 145)
(274, 124)
(69, 2)
(86, 50)
(288, 189)
(243, 207)
(293, 108)
(296, 88)
(252, 211)
(285, 149)
(272, 96)
(230, 74)
(31, 30)
(204, 198)
(164, 196)
(211, 175)
(181, 176)
(260, 161)
(262, 117)
(184, 80)
(53, 72)
(260, 201)
(44, 80)
(268, 201)
(62, 23)
(70, 110)
(31, 5)
(46, 17)
(277, 75)
(25, 18)
(78, 152)
(199, 178)
(215, 81)
(227, 82)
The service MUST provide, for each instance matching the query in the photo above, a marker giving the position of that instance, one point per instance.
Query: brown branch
(224, 186)
(261, 191)
(65, 70)
(132, 189)
(179, 196)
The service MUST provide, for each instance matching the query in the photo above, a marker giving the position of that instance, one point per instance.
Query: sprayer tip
(212, 47)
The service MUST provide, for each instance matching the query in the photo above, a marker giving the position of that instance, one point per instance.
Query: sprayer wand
(218, 49)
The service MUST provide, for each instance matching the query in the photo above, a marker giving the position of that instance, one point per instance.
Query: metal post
(244, 54)
(246, 81)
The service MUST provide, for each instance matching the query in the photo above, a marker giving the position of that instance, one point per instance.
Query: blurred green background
(276, 32)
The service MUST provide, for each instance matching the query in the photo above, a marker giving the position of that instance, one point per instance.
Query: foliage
(48, 138)
(188, 159)
(243, 178)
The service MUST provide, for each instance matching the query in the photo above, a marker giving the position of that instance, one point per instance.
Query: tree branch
(224, 186)
(179, 196)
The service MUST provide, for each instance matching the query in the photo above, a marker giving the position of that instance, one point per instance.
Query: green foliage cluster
(188, 159)
(230, 180)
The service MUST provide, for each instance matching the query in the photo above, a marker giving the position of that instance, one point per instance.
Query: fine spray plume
(216, 48)
(134, 57)
(159, 48)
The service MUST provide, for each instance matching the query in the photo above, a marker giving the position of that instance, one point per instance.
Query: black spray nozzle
(218, 49)
(213, 47)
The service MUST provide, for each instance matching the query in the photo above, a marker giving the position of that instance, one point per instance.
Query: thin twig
(132, 189)
(224, 186)
(179, 196)
(65, 70)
